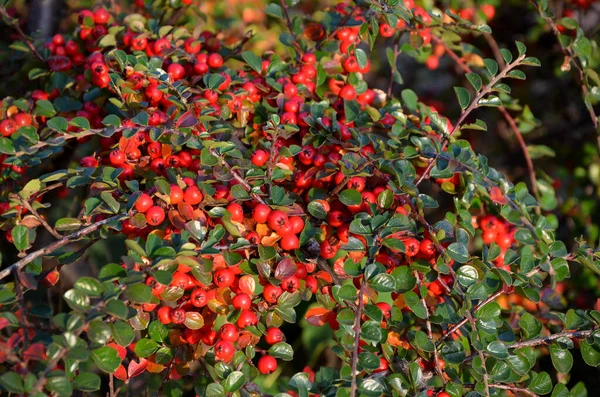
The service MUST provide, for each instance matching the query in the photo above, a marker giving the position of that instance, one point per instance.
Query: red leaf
(134, 369)
(497, 195)
(35, 352)
(317, 316)
(187, 120)
(121, 373)
(3, 323)
(285, 269)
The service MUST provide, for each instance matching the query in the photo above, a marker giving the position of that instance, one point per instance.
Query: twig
(458, 325)
(238, 178)
(333, 193)
(509, 119)
(513, 389)
(465, 113)
(570, 59)
(58, 244)
(544, 340)
(37, 216)
(357, 317)
(14, 23)
(438, 369)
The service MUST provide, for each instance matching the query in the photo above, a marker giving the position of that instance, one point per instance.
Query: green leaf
(6, 146)
(59, 124)
(282, 350)
(215, 390)
(20, 236)
(562, 359)
(77, 300)
(139, 293)
(458, 252)
(506, 55)
(410, 98)
(254, 61)
(234, 382)
(540, 383)
(590, 353)
(415, 304)
(491, 66)
(123, 333)
(491, 101)
(530, 326)
(59, 385)
(106, 358)
(274, 10)
(475, 81)
(350, 197)
(521, 48)
(12, 382)
(146, 347)
(464, 98)
(90, 286)
(497, 349)
(86, 381)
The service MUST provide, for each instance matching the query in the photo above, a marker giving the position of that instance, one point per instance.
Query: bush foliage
(254, 172)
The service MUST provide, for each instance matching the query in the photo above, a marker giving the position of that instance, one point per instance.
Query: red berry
(267, 364)
(155, 216)
(224, 351)
(229, 332)
(117, 157)
(259, 158)
(164, 314)
(192, 195)
(241, 302)
(236, 211)
(7, 127)
(261, 213)
(144, 203)
(273, 336)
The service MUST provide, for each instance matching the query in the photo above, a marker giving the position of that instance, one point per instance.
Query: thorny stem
(58, 244)
(509, 119)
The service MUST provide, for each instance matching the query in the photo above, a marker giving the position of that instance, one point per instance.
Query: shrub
(249, 191)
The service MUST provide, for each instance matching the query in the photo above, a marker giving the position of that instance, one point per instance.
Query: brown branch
(544, 340)
(465, 113)
(37, 216)
(238, 178)
(513, 389)
(58, 244)
(357, 317)
(14, 23)
(458, 325)
(438, 369)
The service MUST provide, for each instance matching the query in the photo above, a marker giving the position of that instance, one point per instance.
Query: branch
(14, 23)
(513, 389)
(37, 216)
(357, 316)
(465, 113)
(509, 119)
(239, 178)
(58, 244)
(570, 59)
(438, 369)
(544, 340)
(458, 325)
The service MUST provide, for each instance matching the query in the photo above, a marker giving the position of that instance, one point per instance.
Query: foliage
(248, 190)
